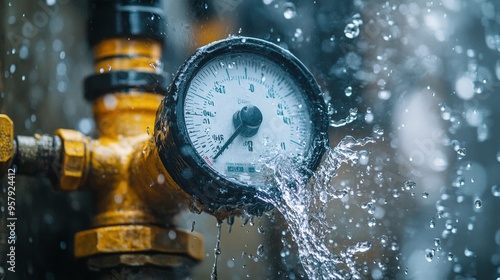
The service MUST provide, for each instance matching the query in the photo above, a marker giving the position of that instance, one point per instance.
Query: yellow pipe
(123, 54)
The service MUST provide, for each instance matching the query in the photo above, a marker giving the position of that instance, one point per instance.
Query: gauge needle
(247, 122)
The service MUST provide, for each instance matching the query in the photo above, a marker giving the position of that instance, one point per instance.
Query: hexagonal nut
(6, 143)
(126, 239)
(73, 167)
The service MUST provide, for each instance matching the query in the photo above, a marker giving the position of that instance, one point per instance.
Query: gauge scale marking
(234, 106)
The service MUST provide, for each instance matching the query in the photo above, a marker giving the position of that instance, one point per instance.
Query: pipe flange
(127, 239)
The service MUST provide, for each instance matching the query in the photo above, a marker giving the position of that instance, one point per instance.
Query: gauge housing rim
(189, 170)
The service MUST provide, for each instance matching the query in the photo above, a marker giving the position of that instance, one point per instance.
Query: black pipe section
(37, 155)
(125, 19)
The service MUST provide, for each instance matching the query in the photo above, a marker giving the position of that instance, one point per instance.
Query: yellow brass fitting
(74, 163)
(6, 142)
(138, 238)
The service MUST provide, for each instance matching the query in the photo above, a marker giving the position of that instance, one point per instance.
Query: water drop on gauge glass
(289, 11)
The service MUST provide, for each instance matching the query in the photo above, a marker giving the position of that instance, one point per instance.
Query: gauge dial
(234, 106)
(224, 95)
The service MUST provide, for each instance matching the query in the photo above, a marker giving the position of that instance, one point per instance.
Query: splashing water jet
(303, 205)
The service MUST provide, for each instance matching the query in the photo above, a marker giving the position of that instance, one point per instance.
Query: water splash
(303, 205)
(353, 115)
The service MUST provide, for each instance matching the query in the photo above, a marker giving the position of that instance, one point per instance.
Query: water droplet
(372, 222)
(429, 254)
(432, 224)
(409, 185)
(160, 179)
(267, 2)
(425, 194)
(348, 91)
(323, 196)
(470, 226)
(464, 87)
(478, 203)
(461, 152)
(351, 30)
(383, 240)
(478, 87)
(118, 199)
(299, 36)
(195, 208)
(450, 257)
(360, 247)
(384, 94)
(437, 242)
(289, 11)
(469, 253)
(261, 229)
(110, 101)
(260, 250)
(495, 190)
(395, 193)
(394, 246)
(172, 235)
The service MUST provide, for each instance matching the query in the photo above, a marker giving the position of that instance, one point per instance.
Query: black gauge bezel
(188, 169)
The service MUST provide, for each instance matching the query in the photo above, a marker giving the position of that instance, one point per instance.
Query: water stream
(303, 204)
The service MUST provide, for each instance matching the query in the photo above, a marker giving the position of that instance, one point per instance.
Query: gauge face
(233, 107)
(214, 113)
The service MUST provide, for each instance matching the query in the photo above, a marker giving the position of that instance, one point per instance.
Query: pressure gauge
(233, 107)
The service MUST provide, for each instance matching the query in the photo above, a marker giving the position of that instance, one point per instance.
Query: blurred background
(422, 78)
